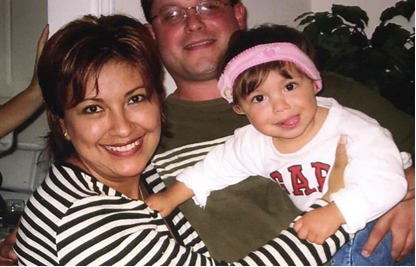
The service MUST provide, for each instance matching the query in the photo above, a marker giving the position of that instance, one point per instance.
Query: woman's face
(115, 132)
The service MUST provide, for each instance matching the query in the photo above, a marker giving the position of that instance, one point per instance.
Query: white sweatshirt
(374, 178)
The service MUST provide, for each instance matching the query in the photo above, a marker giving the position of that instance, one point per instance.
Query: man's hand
(400, 221)
(7, 255)
(317, 225)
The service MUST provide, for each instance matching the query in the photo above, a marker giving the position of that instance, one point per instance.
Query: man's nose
(193, 20)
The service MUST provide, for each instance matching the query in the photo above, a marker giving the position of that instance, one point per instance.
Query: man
(243, 217)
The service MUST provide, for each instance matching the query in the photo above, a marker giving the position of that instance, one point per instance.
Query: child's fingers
(303, 233)
(298, 225)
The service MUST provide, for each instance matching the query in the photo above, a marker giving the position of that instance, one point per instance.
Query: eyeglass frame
(196, 7)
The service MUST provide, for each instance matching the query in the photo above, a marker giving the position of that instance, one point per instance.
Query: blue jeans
(350, 253)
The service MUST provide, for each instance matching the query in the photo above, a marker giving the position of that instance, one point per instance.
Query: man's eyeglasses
(206, 9)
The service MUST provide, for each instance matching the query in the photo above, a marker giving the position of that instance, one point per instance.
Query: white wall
(21, 22)
(277, 11)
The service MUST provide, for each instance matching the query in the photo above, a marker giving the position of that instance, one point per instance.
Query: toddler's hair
(251, 78)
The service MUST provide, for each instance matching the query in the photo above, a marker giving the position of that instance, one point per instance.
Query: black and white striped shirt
(72, 219)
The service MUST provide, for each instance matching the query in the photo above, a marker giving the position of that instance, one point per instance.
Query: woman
(101, 82)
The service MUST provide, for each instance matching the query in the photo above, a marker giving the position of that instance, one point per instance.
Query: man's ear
(237, 109)
(240, 14)
(150, 29)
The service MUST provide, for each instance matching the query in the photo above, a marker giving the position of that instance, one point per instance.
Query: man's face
(190, 49)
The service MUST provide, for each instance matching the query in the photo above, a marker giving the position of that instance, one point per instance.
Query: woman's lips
(125, 149)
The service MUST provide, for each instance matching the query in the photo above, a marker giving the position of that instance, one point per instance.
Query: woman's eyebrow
(126, 94)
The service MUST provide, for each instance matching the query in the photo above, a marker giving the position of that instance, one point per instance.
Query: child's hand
(317, 225)
(161, 202)
(167, 201)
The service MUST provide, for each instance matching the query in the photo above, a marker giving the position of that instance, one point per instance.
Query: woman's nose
(121, 124)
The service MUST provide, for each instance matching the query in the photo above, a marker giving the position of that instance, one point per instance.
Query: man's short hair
(147, 8)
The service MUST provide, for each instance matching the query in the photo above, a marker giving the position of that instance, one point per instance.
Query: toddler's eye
(290, 86)
(258, 98)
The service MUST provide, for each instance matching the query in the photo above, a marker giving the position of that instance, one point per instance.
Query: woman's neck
(128, 186)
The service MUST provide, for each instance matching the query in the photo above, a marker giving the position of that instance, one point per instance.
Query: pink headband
(261, 54)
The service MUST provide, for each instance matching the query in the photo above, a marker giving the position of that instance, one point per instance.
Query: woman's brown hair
(77, 53)
(253, 77)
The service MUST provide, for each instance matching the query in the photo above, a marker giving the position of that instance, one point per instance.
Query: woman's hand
(317, 225)
(336, 178)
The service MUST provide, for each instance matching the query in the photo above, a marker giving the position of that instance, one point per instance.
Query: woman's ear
(64, 129)
(237, 109)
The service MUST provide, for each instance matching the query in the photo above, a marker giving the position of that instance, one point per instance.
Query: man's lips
(199, 44)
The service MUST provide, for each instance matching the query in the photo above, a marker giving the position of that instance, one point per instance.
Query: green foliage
(384, 62)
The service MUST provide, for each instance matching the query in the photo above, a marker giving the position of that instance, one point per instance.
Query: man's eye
(208, 7)
(258, 98)
(92, 109)
(171, 15)
(290, 86)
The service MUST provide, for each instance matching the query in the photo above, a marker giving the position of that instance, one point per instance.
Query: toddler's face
(283, 108)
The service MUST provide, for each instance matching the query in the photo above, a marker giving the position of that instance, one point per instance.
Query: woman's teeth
(124, 148)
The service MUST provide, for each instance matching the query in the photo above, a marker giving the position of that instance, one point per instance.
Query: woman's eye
(290, 86)
(258, 98)
(137, 99)
(92, 109)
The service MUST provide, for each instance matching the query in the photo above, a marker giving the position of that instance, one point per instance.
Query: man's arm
(400, 221)
(26, 103)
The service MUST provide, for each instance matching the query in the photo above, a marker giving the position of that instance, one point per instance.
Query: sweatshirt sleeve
(374, 177)
(227, 164)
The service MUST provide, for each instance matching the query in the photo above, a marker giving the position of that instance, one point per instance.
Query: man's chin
(202, 72)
